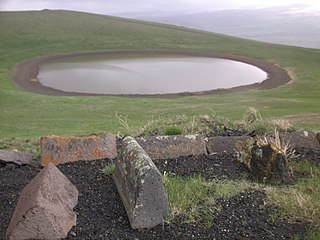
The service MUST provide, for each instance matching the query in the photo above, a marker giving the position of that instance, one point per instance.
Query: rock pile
(45, 206)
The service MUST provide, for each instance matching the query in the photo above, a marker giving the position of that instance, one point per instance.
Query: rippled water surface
(148, 75)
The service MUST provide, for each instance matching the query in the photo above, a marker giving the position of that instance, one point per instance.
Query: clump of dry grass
(201, 124)
(284, 146)
(252, 120)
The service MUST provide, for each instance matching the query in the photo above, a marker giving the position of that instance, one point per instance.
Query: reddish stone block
(59, 150)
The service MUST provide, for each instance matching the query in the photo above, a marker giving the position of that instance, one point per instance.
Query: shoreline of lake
(25, 74)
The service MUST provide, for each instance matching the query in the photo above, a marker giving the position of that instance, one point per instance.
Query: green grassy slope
(26, 35)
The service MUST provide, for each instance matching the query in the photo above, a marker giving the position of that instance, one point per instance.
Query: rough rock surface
(140, 186)
(265, 161)
(224, 144)
(301, 139)
(45, 207)
(58, 150)
(169, 147)
(318, 137)
(18, 158)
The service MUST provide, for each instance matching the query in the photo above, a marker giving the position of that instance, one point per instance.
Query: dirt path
(25, 74)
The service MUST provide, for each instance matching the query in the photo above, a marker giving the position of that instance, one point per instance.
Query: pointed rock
(45, 207)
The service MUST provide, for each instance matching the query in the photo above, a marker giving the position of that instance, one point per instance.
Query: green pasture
(27, 35)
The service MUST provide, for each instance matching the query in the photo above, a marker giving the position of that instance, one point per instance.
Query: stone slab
(18, 158)
(59, 150)
(228, 144)
(140, 186)
(45, 207)
(302, 139)
(170, 147)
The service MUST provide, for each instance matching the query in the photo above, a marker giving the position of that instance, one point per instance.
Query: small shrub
(173, 130)
(109, 169)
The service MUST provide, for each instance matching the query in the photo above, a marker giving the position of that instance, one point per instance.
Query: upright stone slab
(169, 147)
(45, 207)
(140, 186)
(58, 150)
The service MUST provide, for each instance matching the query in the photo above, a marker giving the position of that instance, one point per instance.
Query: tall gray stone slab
(302, 139)
(45, 207)
(169, 147)
(18, 158)
(140, 186)
(225, 144)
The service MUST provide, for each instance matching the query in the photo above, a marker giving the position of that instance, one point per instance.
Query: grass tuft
(195, 200)
(173, 130)
(253, 120)
(300, 201)
(30, 145)
(109, 169)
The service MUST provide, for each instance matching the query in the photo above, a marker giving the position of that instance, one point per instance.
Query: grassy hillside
(26, 35)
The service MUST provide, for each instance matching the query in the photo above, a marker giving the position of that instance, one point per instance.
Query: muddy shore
(25, 74)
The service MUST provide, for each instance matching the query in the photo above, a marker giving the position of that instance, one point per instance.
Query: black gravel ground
(101, 214)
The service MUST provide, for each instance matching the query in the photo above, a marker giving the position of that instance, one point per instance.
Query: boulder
(228, 144)
(303, 139)
(265, 161)
(18, 158)
(45, 207)
(318, 137)
(140, 186)
(59, 150)
(170, 147)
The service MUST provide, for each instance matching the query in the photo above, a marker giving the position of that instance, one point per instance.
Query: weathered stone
(18, 158)
(59, 150)
(265, 161)
(303, 139)
(45, 207)
(318, 137)
(225, 144)
(169, 147)
(140, 186)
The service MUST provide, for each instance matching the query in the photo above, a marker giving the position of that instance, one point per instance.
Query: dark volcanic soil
(101, 214)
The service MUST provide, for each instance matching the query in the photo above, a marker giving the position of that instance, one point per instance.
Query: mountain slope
(291, 25)
(27, 35)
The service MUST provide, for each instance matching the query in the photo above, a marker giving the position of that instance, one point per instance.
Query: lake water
(148, 75)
